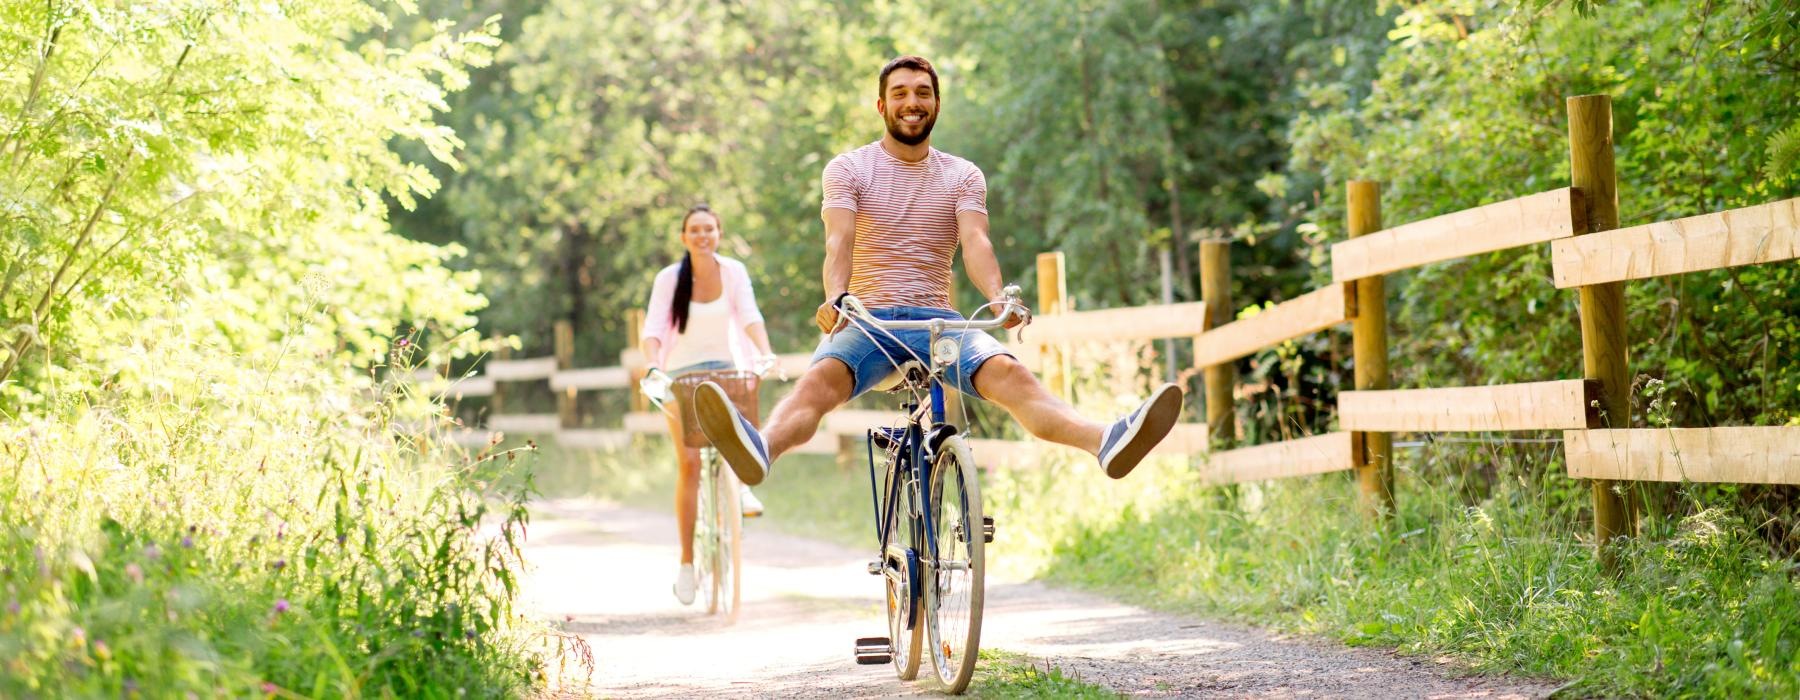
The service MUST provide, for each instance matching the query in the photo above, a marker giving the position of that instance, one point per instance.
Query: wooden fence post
(1053, 294)
(634, 327)
(1369, 353)
(565, 359)
(1603, 343)
(1220, 379)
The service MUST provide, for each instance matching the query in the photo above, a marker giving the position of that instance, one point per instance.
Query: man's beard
(894, 124)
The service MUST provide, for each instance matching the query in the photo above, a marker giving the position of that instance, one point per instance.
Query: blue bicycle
(929, 526)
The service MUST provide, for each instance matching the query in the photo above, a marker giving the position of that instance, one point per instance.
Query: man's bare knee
(825, 386)
(1002, 379)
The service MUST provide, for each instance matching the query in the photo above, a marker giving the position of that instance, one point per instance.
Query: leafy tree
(233, 153)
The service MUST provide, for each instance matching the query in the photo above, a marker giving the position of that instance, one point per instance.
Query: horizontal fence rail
(1132, 323)
(1761, 234)
(1530, 219)
(1317, 454)
(1536, 406)
(1739, 455)
(1309, 313)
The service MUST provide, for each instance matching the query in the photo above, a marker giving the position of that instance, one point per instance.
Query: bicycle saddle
(897, 378)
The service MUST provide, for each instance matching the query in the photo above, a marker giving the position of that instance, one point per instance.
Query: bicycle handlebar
(849, 304)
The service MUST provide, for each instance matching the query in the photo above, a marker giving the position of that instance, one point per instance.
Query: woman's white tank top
(707, 338)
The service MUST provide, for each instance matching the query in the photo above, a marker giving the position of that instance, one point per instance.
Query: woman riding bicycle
(702, 317)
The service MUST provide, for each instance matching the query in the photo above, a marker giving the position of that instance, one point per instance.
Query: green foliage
(1468, 109)
(199, 299)
(232, 539)
(225, 152)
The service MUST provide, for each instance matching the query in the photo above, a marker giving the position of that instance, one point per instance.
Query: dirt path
(604, 572)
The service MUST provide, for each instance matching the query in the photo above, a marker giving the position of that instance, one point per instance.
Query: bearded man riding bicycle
(895, 212)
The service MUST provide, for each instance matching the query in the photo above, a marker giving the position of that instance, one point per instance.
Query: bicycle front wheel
(955, 577)
(727, 571)
(706, 532)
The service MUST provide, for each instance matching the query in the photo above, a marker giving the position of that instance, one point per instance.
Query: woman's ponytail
(684, 292)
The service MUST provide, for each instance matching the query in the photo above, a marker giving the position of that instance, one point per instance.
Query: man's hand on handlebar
(1014, 311)
(827, 317)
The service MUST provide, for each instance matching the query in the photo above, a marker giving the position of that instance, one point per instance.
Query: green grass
(215, 540)
(1005, 675)
(1487, 561)
(1503, 580)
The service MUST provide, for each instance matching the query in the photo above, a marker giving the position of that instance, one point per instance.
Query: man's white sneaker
(685, 585)
(752, 508)
(1127, 440)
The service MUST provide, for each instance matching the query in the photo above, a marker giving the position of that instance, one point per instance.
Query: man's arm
(978, 253)
(840, 241)
(979, 260)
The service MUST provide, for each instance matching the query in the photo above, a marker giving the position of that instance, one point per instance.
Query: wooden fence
(1590, 254)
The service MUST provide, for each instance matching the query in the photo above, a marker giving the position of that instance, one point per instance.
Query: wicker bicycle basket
(738, 384)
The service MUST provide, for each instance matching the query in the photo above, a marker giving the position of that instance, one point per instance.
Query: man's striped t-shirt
(905, 221)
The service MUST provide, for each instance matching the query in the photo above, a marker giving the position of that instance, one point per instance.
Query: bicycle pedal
(871, 651)
(987, 529)
(875, 568)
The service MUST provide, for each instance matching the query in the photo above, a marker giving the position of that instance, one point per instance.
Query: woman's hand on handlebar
(763, 363)
(656, 385)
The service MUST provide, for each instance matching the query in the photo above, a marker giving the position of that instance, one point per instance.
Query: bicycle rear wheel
(728, 572)
(955, 578)
(902, 586)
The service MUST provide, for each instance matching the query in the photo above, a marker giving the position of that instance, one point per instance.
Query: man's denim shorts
(869, 360)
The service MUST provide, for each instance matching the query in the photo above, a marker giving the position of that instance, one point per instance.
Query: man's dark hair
(914, 62)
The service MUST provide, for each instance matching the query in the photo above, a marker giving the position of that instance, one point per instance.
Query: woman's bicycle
(929, 527)
(719, 519)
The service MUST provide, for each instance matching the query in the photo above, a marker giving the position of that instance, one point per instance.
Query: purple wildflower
(134, 572)
(13, 607)
(187, 542)
(152, 553)
(280, 564)
(281, 605)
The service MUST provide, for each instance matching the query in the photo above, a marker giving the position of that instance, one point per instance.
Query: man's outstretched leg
(825, 386)
(1119, 446)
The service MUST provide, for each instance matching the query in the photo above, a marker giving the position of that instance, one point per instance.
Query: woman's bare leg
(687, 490)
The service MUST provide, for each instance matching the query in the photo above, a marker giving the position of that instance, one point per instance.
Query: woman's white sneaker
(752, 508)
(685, 585)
